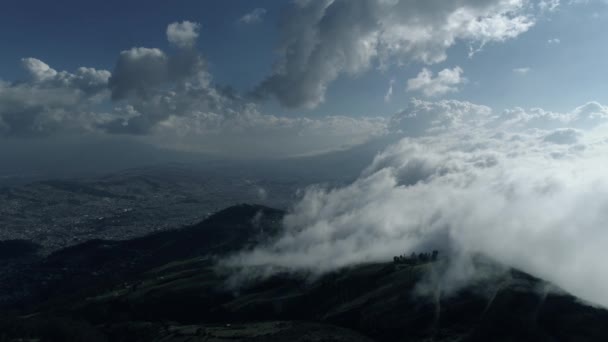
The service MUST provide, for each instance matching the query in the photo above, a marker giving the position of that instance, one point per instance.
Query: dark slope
(13, 249)
(228, 230)
(166, 287)
(99, 263)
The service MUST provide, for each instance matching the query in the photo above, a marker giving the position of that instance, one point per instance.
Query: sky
(490, 117)
(264, 79)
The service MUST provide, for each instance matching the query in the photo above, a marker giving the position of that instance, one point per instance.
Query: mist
(496, 185)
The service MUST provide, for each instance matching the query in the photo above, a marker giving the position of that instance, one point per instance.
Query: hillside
(168, 287)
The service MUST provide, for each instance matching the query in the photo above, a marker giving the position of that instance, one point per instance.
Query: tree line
(415, 259)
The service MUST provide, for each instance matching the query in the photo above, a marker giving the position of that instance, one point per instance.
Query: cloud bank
(526, 188)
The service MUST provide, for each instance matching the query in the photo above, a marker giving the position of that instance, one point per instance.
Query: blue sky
(68, 34)
(556, 63)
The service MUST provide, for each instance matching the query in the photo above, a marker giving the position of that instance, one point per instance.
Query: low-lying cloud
(475, 182)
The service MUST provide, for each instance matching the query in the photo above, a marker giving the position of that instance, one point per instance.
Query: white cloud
(446, 81)
(184, 34)
(323, 40)
(137, 70)
(585, 117)
(389, 91)
(554, 41)
(522, 71)
(51, 101)
(549, 5)
(87, 80)
(563, 136)
(38, 70)
(245, 132)
(253, 17)
(168, 100)
(425, 117)
(528, 197)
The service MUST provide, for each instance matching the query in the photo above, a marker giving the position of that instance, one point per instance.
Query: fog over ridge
(476, 182)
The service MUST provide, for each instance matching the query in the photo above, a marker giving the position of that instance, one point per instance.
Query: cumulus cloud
(446, 81)
(137, 71)
(88, 80)
(184, 34)
(167, 99)
(171, 100)
(51, 101)
(323, 40)
(253, 17)
(38, 70)
(528, 197)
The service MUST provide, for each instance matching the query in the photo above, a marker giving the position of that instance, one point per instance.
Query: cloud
(253, 17)
(88, 80)
(446, 81)
(51, 101)
(527, 197)
(38, 70)
(169, 100)
(587, 116)
(184, 34)
(137, 71)
(247, 132)
(425, 117)
(548, 5)
(563, 136)
(322, 40)
(389, 91)
(554, 41)
(522, 71)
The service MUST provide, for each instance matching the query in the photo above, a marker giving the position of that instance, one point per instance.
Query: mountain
(131, 203)
(168, 286)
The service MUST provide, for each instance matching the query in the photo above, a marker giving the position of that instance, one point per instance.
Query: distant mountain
(62, 212)
(122, 200)
(168, 287)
